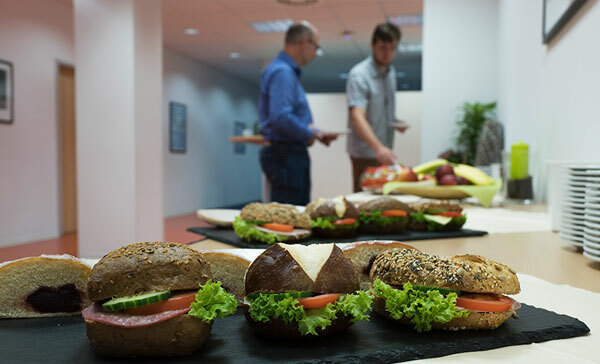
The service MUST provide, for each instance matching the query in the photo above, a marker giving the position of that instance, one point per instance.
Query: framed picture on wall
(177, 127)
(7, 111)
(556, 15)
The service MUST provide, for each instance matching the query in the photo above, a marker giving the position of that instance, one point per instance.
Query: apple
(463, 181)
(407, 175)
(443, 170)
(448, 180)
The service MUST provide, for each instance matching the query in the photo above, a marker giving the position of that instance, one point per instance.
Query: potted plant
(469, 128)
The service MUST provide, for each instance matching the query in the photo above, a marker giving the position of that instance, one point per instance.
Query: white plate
(571, 240)
(584, 167)
(590, 249)
(572, 210)
(572, 237)
(220, 217)
(592, 192)
(573, 205)
(592, 199)
(573, 217)
(592, 206)
(592, 225)
(592, 218)
(591, 231)
(592, 238)
(576, 231)
(593, 257)
(576, 186)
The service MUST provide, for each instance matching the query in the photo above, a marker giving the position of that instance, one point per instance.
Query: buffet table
(553, 275)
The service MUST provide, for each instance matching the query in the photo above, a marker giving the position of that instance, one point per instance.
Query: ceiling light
(347, 34)
(406, 19)
(272, 26)
(191, 31)
(410, 47)
(234, 55)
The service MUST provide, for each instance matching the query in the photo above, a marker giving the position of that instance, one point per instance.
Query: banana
(429, 166)
(476, 176)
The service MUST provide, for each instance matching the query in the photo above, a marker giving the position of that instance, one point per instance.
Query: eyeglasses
(318, 48)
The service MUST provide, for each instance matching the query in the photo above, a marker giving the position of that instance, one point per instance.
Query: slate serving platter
(63, 340)
(230, 237)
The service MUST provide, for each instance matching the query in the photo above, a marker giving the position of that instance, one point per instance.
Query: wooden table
(540, 254)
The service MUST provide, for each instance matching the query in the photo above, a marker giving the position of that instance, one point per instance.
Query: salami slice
(297, 233)
(96, 314)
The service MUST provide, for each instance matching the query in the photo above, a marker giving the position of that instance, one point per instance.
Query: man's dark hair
(386, 32)
(298, 31)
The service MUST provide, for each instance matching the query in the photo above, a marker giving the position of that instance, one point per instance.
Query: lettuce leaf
(327, 223)
(456, 222)
(247, 230)
(264, 307)
(374, 217)
(422, 308)
(212, 302)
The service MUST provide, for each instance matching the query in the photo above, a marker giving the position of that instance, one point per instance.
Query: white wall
(34, 41)
(331, 172)
(460, 61)
(209, 174)
(549, 95)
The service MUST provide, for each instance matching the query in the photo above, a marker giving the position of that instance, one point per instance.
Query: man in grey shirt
(370, 91)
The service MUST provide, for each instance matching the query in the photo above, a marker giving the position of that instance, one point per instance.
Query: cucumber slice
(122, 303)
(443, 291)
(279, 296)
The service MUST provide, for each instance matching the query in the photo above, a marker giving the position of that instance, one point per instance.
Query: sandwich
(271, 223)
(333, 218)
(229, 269)
(362, 254)
(457, 293)
(44, 286)
(436, 216)
(298, 291)
(153, 299)
(383, 215)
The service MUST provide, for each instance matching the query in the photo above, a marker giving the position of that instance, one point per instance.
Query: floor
(175, 230)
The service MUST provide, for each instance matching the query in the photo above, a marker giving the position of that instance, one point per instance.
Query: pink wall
(34, 35)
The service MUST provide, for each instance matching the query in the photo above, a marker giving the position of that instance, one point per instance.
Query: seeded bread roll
(475, 320)
(179, 336)
(469, 273)
(229, 269)
(384, 203)
(44, 286)
(277, 213)
(147, 267)
(362, 255)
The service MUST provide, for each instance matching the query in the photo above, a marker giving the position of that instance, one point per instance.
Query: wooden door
(68, 166)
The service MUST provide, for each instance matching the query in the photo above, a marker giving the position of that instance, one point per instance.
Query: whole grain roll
(277, 213)
(469, 273)
(384, 203)
(147, 267)
(474, 321)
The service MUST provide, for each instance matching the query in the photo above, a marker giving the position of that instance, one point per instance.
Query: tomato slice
(484, 302)
(389, 213)
(318, 301)
(178, 301)
(449, 213)
(278, 227)
(347, 221)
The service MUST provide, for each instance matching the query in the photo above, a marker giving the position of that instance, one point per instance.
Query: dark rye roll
(271, 223)
(145, 301)
(297, 291)
(383, 215)
(436, 216)
(456, 293)
(333, 218)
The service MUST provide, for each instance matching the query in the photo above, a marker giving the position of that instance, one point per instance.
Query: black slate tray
(230, 237)
(63, 340)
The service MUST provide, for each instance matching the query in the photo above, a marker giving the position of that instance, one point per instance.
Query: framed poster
(7, 111)
(556, 15)
(177, 127)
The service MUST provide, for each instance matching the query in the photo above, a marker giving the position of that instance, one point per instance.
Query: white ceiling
(225, 26)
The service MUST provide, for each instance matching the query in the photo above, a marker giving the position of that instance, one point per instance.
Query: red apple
(407, 175)
(448, 180)
(443, 170)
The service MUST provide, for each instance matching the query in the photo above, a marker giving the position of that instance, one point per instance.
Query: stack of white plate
(573, 205)
(591, 229)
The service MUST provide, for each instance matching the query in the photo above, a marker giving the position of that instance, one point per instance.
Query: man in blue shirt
(286, 120)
